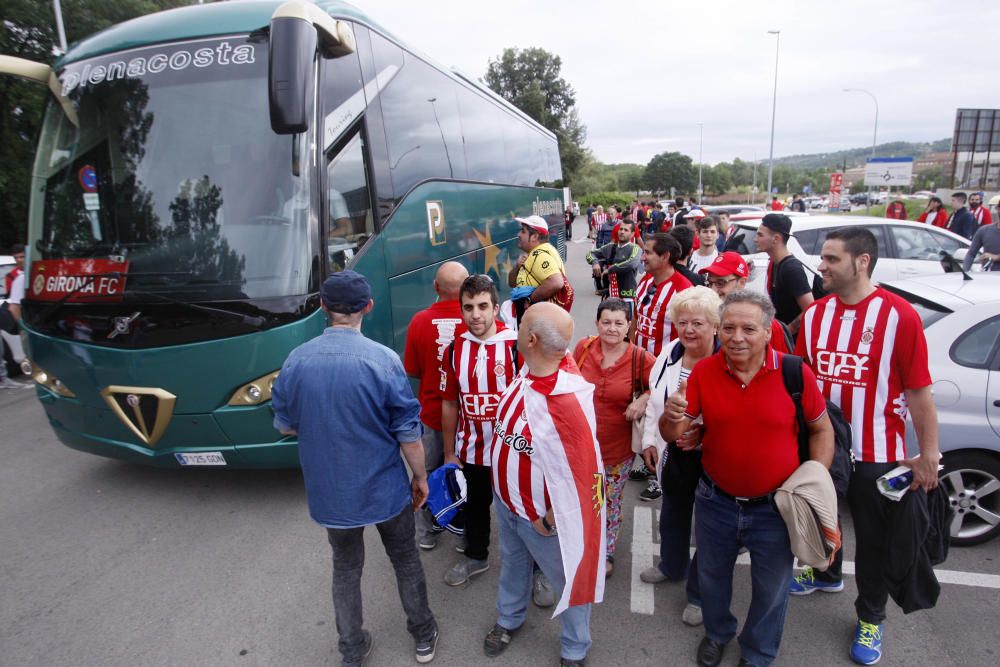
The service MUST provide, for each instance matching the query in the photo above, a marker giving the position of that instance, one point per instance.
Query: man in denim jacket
(349, 402)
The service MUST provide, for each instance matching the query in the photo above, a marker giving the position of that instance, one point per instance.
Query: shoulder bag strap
(586, 349)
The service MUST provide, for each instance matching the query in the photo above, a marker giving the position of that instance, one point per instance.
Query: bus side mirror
(296, 31)
(290, 79)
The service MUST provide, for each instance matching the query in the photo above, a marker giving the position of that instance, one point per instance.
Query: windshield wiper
(252, 320)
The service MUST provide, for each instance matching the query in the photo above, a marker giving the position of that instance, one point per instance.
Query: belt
(739, 500)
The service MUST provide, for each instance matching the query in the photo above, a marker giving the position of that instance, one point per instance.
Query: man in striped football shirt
(477, 368)
(867, 348)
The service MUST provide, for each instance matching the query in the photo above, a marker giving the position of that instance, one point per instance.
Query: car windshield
(174, 169)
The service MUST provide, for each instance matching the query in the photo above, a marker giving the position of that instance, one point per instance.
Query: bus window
(349, 205)
(421, 125)
(483, 153)
(342, 95)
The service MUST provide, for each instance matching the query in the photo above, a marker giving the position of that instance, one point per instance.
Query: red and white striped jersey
(864, 356)
(982, 215)
(653, 328)
(475, 376)
(517, 476)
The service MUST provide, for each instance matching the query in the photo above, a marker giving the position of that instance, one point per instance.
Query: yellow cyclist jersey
(542, 262)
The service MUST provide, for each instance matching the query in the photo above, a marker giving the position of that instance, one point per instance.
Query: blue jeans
(721, 526)
(348, 562)
(520, 543)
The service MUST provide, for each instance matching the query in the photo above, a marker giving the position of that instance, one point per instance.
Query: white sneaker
(692, 615)
(541, 591)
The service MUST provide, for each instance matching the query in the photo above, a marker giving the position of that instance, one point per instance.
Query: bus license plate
(201, 459)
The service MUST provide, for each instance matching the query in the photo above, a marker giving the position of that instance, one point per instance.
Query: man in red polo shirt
(749, 448)
(868, 350)
(429, 335)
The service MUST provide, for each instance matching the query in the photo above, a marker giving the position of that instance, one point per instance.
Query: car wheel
(972, 482)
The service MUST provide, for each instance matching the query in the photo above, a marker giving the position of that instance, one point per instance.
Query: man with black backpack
(787, 284)
(867, 348)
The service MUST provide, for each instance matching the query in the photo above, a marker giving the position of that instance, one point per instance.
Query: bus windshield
(174, 169)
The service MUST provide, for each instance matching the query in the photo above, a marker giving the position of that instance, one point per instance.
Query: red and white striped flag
(560, 410)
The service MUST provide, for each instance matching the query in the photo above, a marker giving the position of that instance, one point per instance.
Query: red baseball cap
(728, 264)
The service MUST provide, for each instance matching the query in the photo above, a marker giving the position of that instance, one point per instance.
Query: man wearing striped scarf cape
(549, 486)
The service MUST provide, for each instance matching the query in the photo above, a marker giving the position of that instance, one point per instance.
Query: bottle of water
(901, 481)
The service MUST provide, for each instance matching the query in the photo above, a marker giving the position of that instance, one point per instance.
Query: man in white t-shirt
(708, 234)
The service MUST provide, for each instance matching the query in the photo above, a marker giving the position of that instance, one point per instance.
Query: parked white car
(906, 249)
(962, 323)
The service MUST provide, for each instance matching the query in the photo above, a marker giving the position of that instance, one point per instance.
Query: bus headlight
(50, 382)
(254, 392)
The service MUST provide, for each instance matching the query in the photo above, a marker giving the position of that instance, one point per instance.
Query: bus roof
(228, 18)
(194, 22)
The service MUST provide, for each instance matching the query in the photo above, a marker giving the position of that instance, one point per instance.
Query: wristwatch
(547, 526)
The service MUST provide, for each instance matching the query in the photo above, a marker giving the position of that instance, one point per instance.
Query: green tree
(671, 169)
(28, 31)
(717, 180)
(530, 80)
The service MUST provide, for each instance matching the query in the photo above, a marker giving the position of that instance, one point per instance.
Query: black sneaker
(369, 645)
(425, 649)
(640, 474)
(497, 640)
(651, 492)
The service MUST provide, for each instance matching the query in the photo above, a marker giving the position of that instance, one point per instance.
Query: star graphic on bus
(491, 250)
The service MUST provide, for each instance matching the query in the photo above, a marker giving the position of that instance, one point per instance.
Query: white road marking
(645, 551)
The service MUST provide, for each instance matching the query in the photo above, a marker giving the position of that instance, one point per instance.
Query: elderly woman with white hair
(695, 315)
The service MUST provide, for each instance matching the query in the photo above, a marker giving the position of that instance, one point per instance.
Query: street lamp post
(701, 135)
(868, 202)
(774, 105)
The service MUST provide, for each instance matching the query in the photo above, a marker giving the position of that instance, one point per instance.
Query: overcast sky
(646, 72)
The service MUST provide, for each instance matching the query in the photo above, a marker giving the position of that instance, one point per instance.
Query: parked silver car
(962, 323)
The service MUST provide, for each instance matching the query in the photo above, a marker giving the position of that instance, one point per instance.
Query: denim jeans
(520, 543)
(348, 562)
(676, 562)
(433, 443)
(721, 527)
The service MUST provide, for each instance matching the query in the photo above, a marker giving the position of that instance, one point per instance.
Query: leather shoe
(710, 653)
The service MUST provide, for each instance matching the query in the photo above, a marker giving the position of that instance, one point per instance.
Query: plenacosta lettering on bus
(222, 54)
(548, 207)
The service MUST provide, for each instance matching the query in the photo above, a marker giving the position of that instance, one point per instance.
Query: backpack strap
(514, 358)
(791, 374)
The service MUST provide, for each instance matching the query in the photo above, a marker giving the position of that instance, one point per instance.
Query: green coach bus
(201, 170)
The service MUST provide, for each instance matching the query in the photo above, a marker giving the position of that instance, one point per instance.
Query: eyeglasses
(721, 283)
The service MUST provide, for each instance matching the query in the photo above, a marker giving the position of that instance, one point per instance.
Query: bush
(914, 207)
(606, 199)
